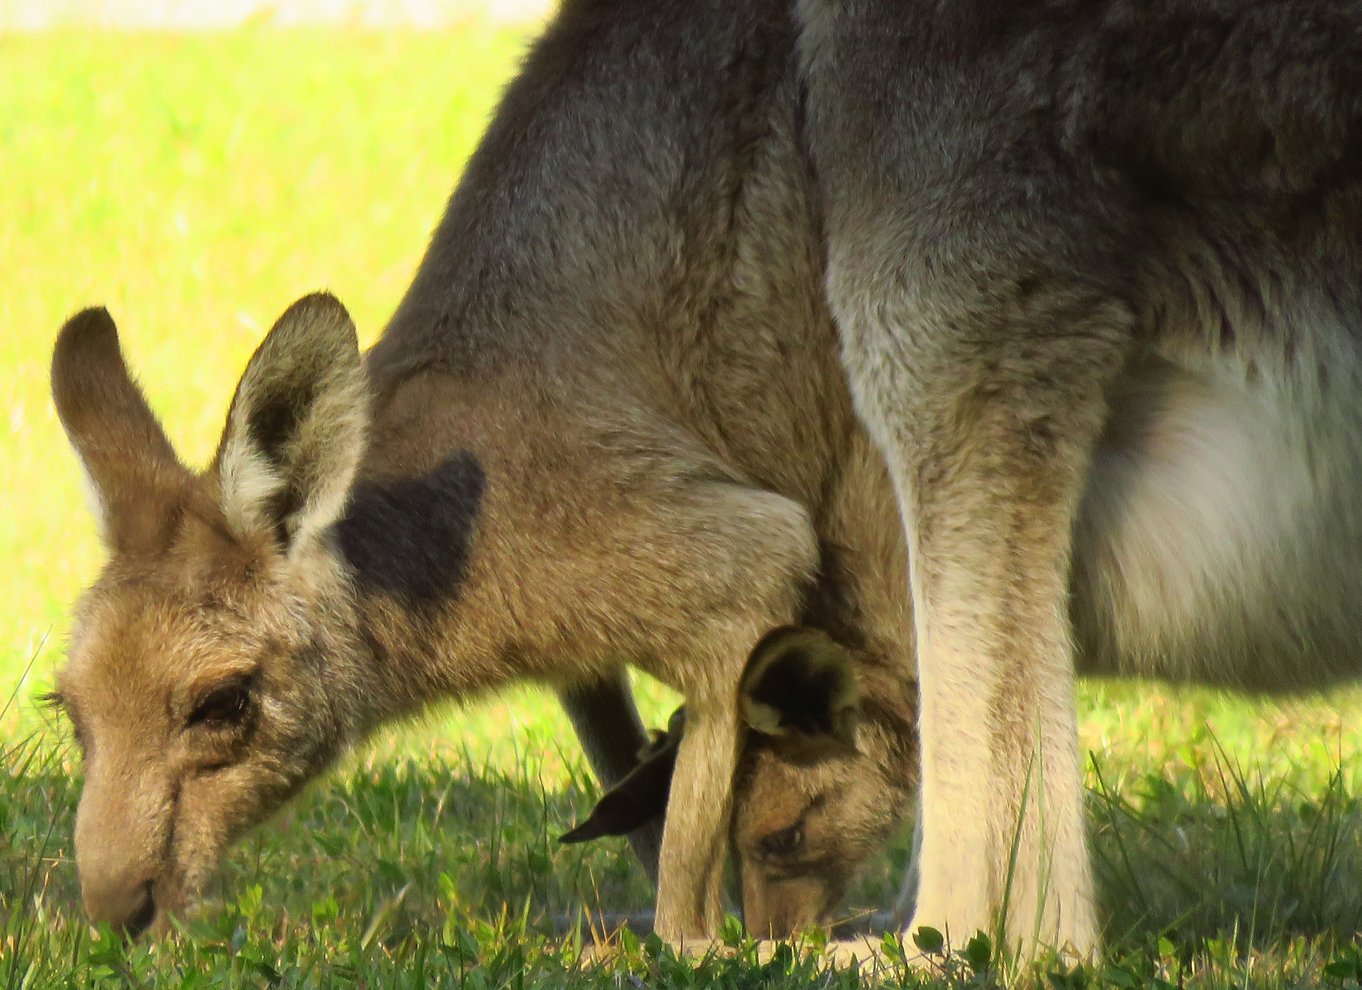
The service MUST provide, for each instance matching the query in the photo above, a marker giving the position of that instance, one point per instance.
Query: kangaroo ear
(799, 687)
(134, 476)
(297, 427)
(641, 797)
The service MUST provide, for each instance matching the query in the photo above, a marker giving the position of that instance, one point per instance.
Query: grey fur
(1095, 271)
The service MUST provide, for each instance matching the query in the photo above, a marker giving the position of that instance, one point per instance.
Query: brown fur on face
(816, 779)
(196, 719)
(197, 676)
(802, 830)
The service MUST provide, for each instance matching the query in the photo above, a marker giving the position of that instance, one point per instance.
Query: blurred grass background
(196, 183)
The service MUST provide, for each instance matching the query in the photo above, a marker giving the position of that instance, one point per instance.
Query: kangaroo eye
(223, 707)
(784, 843)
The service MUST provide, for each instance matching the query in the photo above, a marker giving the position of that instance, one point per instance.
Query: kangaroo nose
(132, 911)
(142, 917)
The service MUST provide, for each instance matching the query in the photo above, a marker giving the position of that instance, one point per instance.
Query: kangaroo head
(200, 679)
(824, 773)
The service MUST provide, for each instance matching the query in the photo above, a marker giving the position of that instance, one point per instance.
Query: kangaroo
(819, 784)
(1095, 271)
(1091, 278)
(606, 426)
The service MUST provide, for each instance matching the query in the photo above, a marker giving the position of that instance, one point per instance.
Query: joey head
(820, 783)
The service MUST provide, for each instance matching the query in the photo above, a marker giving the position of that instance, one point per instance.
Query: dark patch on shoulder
(411, 538)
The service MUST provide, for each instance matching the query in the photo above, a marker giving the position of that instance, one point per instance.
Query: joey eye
(223, 707)
(57, 702)
(784, 843)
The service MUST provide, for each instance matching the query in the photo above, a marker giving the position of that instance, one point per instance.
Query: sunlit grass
(196, 185)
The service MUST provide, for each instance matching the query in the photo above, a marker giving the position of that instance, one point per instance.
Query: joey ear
(799, 687)
(297, 427)
(641, 797)
(134, 476)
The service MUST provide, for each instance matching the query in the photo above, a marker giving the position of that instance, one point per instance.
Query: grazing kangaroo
(1095, 270)
(606, 426)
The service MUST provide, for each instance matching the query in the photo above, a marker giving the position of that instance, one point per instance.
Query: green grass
(196, 185)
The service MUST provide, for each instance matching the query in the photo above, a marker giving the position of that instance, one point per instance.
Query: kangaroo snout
(122, 829)
(116, 884)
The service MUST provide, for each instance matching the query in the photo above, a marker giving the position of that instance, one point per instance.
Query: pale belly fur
(1220, 538)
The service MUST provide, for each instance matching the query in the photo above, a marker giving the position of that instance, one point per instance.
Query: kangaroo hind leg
(988, 418)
